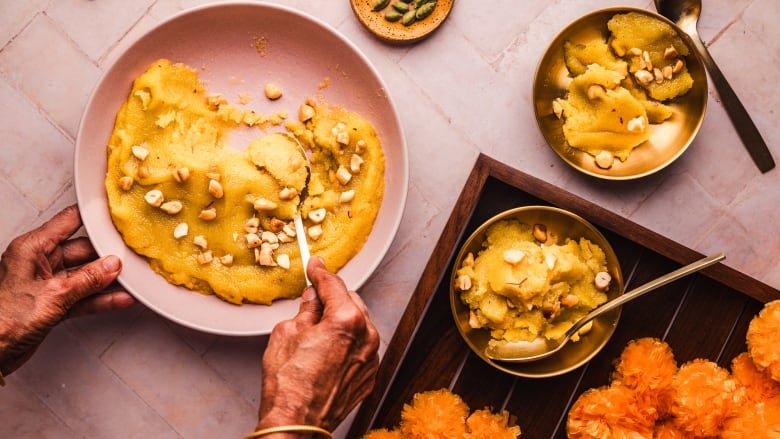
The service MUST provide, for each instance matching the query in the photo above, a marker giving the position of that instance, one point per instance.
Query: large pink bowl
(299, 53)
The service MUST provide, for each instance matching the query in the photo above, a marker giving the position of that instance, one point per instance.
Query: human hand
(320, 364)
(45, 277)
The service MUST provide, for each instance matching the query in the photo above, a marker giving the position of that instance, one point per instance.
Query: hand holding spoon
(527, 351)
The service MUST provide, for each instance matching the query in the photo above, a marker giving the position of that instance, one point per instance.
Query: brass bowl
(668, 140)
(564, 225)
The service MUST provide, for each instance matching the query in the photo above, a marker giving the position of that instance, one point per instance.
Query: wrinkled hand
(46, 277)
(320, 364)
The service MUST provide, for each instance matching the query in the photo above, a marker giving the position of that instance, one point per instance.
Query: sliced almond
(209, 214)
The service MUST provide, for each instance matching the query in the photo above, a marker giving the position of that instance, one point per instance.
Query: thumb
(91, 278)
(310, 311)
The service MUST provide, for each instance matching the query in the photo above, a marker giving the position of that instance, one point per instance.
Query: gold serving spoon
(527, 351)
(300, 231)
(685, 13)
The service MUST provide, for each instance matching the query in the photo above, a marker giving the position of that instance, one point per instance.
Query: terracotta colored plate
(667, 141)
(238, 48)
(396, 32)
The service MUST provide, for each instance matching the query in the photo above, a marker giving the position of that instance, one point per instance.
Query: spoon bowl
(685, 13)
(540, 348)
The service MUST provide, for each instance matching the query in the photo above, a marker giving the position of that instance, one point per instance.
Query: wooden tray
(704, 315)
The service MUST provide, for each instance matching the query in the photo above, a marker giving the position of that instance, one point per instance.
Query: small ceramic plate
(668, 140)
(565, 225)
(396, 32)
(238, 48)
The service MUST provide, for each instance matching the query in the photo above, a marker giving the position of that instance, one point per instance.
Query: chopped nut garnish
(602, 280)
(636, 125)
(143, 171)
(200, 241)
(273, 92)
(360, 146)
(264, 255)
(550, 260)
(644, 77)
(305, 112)
(343, 175)
(604, 159)
(154, 197)
(347, 196)
(215, 189)
(513, 256)
(126, 182)
(342, 137)
(264, 205)
(570, 300)
(275, 224)
(355, 163)
(181, 230)
(140, 152)
(214, 176)
(314, 232)
(646, 59)
(284, 261)
(678, 66)
(172, 207)
(557, 109)
(208, 214)
(596, 91)
(289, 230)
(317, 215)
(252, 225)
(670, 52)
(181, 174)
(269, 237)
(253, 240)
(659, 75)
(464, 282)
(205, 257)
(288, 193)
(540, 232)
(283, 237)
(226, 260)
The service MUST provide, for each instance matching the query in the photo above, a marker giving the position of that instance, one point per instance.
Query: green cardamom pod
(409, 18)
(392, 15)
(401, 7)
(424, 10)
(380, 4)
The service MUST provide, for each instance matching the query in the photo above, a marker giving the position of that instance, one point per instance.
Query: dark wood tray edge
(484, 168)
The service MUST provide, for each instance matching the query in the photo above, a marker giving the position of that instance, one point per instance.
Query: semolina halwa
(217, 220)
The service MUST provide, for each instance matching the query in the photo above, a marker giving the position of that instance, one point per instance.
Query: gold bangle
(289, 429)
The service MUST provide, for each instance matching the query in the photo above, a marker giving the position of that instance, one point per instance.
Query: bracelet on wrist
(289, 429)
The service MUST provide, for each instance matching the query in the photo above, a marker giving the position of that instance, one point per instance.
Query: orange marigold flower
(438, 414)
(757, 384)
(755, 420)
(482, 424)
(610, 412)
(667, 430)
(647, 366)
(703, 395)
(763, 337)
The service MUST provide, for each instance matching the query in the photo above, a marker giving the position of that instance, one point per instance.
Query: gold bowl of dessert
(529, 273)
(625, 117)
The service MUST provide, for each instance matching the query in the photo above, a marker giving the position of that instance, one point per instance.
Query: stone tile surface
(464, 90)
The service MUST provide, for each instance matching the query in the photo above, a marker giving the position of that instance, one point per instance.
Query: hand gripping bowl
(564, 224)
(238, 47)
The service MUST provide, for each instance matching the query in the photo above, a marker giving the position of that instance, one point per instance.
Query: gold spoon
(300, 231)
(527, 351)
(685, 13)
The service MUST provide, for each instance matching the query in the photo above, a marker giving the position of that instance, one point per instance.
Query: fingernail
(111, 263)
(309, 294)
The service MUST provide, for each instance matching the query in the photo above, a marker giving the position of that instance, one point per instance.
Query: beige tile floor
(463, 91)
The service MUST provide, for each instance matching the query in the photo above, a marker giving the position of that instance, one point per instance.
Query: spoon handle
(744, 125)
(646, 288)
